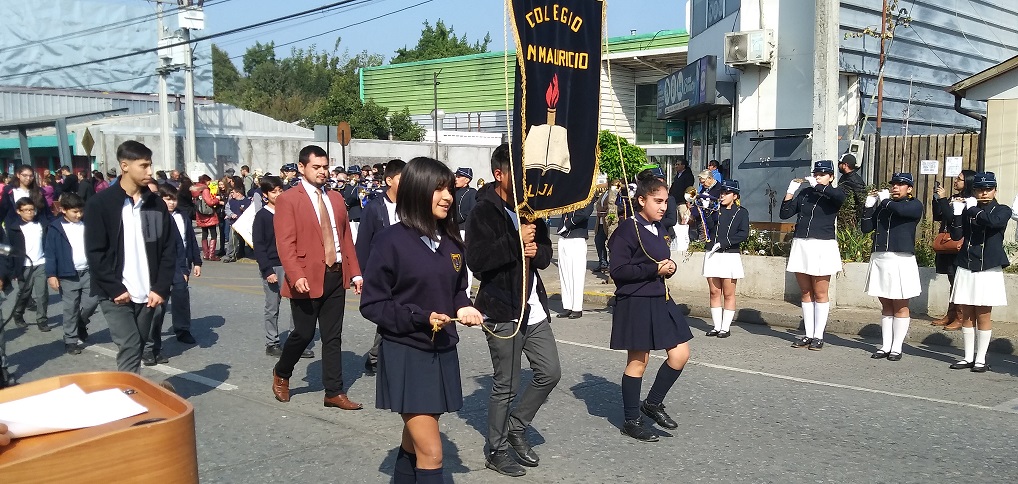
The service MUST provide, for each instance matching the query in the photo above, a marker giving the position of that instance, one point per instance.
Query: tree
(403, 128)
(258, 55)
(438, 42)
(633, 157)
(225, 76)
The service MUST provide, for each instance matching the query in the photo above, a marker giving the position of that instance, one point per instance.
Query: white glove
(793, 186)
(958, 207)
(884, 194)
(871, 201)
(705, 203)
(714, 249)
(970, 202)
(812, 180)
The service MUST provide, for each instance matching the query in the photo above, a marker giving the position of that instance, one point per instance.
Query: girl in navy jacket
(722, 264)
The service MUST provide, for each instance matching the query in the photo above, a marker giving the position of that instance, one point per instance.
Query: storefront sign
(693, 85)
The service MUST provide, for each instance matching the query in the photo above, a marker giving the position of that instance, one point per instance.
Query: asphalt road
(750, 408)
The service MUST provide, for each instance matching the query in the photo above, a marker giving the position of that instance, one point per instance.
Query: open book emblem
(546, 147)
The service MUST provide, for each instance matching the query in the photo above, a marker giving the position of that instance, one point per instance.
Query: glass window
(695, 145)
(649, 129)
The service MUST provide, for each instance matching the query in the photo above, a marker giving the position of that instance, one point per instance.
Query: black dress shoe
(894, 357)
(576, 315)
(636, 430)
(20, 323)
(564, 314)
(162, 360)
(713, 332)
(802, 342)
(980, 367)
(274, 351)
(44, 327)
(500, 462)
(370, 368)
(83, 333)
(816, 344)
(72, 349)
(879, 354)
(657, 414)
(525, 454)
(724, 334)
(148, 359)
(308, 354)
(961, 365)
(186, 338)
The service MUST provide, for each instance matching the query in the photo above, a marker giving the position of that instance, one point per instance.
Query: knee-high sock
(822, 311)
(715, 316)
(726, 319)
(900, 331)
(429, 476)
(403, 473)
(982, 344)
(968, 336)
(663, 382)
(631, 396)
(808, 318)
(886, 332)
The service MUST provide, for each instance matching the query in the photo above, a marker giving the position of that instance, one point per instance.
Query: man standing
(249, 181)
(68, 181)
(853, 183)
(131, 253)
(572, 260)
(175, 179)
(320, 263)
(683, 179)
(353, 193)
(466, 198)
(494, 232)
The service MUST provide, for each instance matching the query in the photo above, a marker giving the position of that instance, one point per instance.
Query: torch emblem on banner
(546, 147)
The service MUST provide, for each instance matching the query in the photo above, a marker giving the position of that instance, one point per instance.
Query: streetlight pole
(434, 113)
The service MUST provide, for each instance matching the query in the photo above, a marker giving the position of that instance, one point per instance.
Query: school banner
(557, 104)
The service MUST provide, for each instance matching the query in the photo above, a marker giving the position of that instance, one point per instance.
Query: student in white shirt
(67, 271)
(30, 258)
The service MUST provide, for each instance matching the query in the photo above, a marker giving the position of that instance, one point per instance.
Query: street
(750, 408)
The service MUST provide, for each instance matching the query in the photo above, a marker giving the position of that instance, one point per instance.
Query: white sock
(822, 310)
(968, 335)
(983, 343)
(808, 318)
(715, 316)
(726, 319)
(886, 333)
(900, 331)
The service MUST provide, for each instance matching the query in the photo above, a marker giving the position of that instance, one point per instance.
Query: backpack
(202, 206)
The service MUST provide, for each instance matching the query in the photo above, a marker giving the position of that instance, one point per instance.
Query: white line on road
(1008, 407)
(169, 370)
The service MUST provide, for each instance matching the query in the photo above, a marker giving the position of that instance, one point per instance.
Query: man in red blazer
(320, 262)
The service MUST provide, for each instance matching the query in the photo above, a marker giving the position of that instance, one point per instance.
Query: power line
(186, 42)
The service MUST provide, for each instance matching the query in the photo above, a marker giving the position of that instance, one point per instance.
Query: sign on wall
(691, 86)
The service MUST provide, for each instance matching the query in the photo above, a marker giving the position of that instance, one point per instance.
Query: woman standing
(684, 229)
(945, 260)
(415, 281)
(209, 221)
(814, 256)
(979, 280)
(893, 277)
(185, 201)
(645, 317)
(23, 186)
(722, 264)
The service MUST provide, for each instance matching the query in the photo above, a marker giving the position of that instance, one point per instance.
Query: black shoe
(657, 414)
(83, 333)
(20, 323)
(307, 354)
(576, 315)
(525, 453)
(186, 338)
(894, 357)
(44, 327)
(636, 430)
(72, 349)
(816, 344)
(500, 462)
(370, 368)
(148, 359)
(879, 354)
(961, 365)
(713, 332)
(274, 351)
(564, 314)
(724, 334)
(227, 260)
(980, 367)
(6, 380)
(802, 342)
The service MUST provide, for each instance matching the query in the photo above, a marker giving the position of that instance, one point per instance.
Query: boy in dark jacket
(67, 271)
(7, 290)
(131, 252)
(235, 207)
(26, 236)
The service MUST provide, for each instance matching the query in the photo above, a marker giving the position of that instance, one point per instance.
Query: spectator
(234, 208)
(206, 217)
(851, 181)
(100, 183)
(682, 180)
(23, 187)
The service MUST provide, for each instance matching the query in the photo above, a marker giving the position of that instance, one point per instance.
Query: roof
(980, 77)
(46, 121)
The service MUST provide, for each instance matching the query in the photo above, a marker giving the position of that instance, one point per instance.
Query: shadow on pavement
(353, 369)
(602, 397)
(187, 388)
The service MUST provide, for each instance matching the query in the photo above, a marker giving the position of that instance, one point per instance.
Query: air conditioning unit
(752, 47)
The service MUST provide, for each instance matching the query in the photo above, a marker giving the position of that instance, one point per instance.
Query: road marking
(1008, 407)
(169, 370)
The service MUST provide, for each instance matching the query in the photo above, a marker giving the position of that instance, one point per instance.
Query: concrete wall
(1002, 151)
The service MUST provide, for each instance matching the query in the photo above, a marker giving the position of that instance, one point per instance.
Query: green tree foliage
(437, 42)
(403, 128)
(633, 157)
(225, 76)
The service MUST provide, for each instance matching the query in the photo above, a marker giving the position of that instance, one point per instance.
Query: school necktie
(323, 219)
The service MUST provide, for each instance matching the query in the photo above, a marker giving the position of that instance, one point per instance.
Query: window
(705, 13)
(649, 129)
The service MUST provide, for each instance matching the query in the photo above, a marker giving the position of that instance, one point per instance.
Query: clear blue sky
(385, 35)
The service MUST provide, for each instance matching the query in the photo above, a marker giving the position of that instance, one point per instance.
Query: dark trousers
(180, 297)
(130, 325)
(601, 244)
(327, 313)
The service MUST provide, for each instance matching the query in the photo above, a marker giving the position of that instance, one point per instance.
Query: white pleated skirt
(815, 257)
(893, 275)
(727, 265)
(983, 288)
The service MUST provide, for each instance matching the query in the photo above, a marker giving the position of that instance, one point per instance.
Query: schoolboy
(67, 271)
(235, 207)
(30, 259)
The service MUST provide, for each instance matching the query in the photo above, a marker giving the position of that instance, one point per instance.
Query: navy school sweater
(634, 273)
(983, 228)
(893, 223)
(816, 209)
(264, 235)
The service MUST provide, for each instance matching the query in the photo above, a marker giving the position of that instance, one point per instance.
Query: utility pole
(880, 86)
(169, 156)
(825, 81)
(434, 114)
(190, 149)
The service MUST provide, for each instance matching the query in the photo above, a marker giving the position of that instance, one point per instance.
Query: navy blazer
(893, 223)
(6, 262)
(16, 239)
(187, 257)
(983, 228)
(264, 234)
(575, 222)
(634, 273)
(374, 218)
(59, 256)
(816, 209)
(728, 227)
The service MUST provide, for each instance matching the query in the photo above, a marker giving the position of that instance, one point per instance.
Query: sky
(385, 35)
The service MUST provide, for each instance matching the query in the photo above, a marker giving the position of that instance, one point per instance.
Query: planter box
(765, 278)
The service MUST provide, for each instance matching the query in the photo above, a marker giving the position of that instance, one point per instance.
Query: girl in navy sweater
(645, 317)
(893, 276)
(722, 264)
(415, 286)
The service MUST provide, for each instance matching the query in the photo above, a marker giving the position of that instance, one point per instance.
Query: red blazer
(301, 246)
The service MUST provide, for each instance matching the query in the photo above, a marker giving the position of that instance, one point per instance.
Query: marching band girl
(814, 256)
(893, 277)
(979, 280)
(722, 265)
(944, 263)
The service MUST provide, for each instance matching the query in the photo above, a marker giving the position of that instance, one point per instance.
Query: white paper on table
(66, 408)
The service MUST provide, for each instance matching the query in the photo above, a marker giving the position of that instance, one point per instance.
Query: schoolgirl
(944, 263)
(645, 317)
(893, 277)
(979, 280)
(722, 265)
(814, 256)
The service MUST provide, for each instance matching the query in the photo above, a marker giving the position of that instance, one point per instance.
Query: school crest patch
(457, 261)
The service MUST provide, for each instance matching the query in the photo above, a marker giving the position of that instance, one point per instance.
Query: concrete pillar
(825, 81)
(63, 143)
(26, 157)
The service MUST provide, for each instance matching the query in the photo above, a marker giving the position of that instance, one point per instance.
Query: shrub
(855, 246)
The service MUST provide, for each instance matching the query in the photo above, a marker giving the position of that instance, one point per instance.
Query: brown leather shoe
(954, 326)
(280, 387)
(342, 402)
(947, 319)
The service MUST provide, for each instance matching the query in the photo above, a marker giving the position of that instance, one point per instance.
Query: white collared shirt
(76, 237)
(537, 313)
(390, 208)
(34, 255)
(19, 193)
(318, 215)
(136, 276)
(179, 220)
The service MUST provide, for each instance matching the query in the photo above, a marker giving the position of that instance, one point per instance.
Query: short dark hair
(308, 151)
(161, 175)
(245, 168)
(70, 200)
(239, 189)
(421, 177)
(500, 158)
(393, 168)
(713, 163)
(167, 190)
(25, 201)
(131, 150)
(269, 183)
